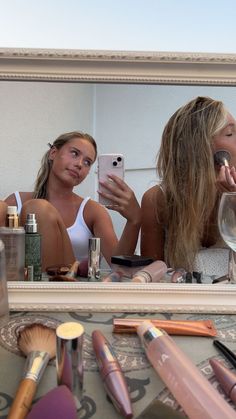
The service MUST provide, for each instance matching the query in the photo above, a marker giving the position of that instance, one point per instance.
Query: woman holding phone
(66, 220)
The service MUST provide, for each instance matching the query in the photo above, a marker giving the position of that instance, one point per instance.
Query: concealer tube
(189, 387)
(151, 273)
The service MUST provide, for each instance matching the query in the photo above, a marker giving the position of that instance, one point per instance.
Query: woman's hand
(226, 179)
(123, 199)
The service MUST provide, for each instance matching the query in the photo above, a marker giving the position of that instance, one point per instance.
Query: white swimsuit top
(79, 232)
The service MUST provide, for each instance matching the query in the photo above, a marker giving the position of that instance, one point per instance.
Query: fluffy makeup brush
(38, 344)
(222, 158)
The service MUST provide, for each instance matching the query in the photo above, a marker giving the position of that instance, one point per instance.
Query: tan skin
(153, 232)
(70, 166)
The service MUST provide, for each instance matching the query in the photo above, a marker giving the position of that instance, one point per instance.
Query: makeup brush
(222, 158)
(38, 344)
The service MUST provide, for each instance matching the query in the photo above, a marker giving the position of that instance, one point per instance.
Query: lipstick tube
(151, 273)
(112, 375)
(226, 378)
(189, 387)
(69, 357)
(94, 259)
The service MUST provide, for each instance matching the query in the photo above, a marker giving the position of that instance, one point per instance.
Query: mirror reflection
(127, 119)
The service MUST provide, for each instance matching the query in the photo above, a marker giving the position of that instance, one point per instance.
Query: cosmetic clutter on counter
(129, 265)
(32, 249)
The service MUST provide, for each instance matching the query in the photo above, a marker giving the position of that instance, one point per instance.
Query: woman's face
(72, 162)
(226, 139)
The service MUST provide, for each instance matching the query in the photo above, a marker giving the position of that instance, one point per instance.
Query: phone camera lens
(119, 159)
(114, 163)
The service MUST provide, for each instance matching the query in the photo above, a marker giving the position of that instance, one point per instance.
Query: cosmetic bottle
(4, 308)
(69, 358)
(32, 249)
(189, 387)
(151, 273)
(12, 217)
(94, 259)
(14, 242)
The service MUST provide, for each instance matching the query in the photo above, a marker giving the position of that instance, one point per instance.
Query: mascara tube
(112, 375)
(190, 388)
(69, 357)
(94, 259)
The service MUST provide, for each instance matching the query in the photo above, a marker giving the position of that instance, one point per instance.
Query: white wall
(123, 118)
(31, 115)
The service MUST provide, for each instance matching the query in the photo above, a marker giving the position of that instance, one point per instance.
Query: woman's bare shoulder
(153, 194)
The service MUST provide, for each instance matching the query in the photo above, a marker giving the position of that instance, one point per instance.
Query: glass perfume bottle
(32, 249)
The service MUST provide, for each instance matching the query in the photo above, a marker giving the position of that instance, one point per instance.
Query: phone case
(109, 164)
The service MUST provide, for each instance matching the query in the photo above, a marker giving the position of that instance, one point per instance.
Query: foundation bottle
(32, 249)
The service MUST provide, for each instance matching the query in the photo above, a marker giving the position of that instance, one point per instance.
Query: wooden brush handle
(22, 402)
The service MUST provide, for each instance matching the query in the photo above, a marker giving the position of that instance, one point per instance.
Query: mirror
(39, 86)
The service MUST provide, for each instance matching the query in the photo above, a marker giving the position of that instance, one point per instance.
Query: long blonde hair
(186, 166)
(40, 189)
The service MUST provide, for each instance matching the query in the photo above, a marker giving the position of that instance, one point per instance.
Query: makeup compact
(129, 265)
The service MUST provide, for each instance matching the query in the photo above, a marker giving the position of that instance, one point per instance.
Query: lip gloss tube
(112, 375)
(190, 388)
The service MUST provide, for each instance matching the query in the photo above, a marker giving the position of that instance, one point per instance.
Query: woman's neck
(58, 190)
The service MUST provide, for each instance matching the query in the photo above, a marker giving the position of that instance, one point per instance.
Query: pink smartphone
(109, 164)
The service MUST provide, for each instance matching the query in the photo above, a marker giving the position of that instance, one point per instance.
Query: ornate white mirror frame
(120, 67)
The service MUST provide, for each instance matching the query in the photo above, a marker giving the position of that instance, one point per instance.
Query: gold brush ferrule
(35, 365)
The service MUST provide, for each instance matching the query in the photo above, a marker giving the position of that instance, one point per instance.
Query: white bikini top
(79, 232)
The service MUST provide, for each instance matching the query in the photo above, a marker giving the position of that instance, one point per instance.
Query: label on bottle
(33, 255)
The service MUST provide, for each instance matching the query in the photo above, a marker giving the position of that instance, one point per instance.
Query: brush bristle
(37, 337)
(222, 157)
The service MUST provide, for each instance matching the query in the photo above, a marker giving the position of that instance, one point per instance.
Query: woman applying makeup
(66, 220)
(179, 216)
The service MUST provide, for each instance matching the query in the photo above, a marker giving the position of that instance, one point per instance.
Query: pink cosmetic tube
(151, 273)
(226, 378)
(190, 388)
(112, 375)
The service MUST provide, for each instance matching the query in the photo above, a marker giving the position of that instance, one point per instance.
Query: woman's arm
(152, 228)
(124, 201)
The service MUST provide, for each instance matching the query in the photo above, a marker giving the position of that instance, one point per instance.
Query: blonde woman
(67, 220)
(179, 216)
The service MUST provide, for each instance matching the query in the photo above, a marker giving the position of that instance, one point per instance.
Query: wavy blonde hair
(186, 166)
(40, 189)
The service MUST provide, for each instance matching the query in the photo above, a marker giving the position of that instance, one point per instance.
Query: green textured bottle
(32, 249)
